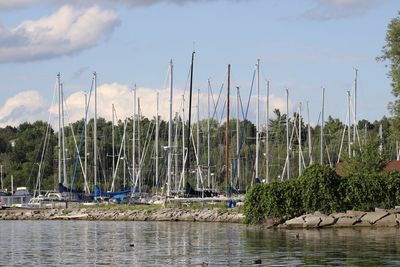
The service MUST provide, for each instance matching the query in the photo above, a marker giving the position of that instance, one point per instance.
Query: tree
(391, 53)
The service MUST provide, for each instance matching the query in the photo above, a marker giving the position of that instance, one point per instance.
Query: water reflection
(81, 243)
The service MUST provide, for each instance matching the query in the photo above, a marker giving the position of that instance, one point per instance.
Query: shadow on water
(82, 243)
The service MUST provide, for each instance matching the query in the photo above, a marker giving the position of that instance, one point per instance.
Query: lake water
(83, 243)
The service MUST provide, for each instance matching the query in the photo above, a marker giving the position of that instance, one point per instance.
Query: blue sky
(303, 45)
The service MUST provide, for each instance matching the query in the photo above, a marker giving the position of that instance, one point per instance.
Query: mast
(157, 134)
(208, 135)
(198, 138)
(227, 130)
(113, 140)
(309, 135)
(349, 123)
(124, 142)
(63, 136)
(170, 131)
(176, 171)
(355, 106)
(85, 133)
(190, 117)
(322, 127)
(258, 117)
(139, 154)
(267, 137)
(300, 151)
(59, 127)
(237, 134)
(95, 134)
(134, 137)
(287, 136)
(183, 140)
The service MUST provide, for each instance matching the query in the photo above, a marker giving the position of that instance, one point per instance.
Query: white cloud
(26, 106)
(69, 30)
(339, 9)
(31, 106)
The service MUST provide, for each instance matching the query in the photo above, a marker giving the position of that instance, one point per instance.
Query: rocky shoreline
(317, 220)
(148, 214)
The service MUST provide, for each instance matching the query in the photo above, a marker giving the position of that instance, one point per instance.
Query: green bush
(321, 190)
(365, 191)
(392, 189)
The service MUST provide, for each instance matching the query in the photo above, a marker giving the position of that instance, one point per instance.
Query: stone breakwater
(378, 218)
(153, 214)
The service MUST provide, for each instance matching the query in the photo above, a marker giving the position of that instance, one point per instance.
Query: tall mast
(63, 137)
(170, 130)
(227, 130)
(139, 154)
(176, 171)
(183, 140)
(113, 140)
(258, 117)
(95, 133)
(190, 117)
(198, 138)
(322, 127)
(134, 137)
(287, 136)
(300, 151)
(237, 133)
(309, 135)
(157, 134)
(208, 135)
(349, 122)
(267, 137)
(124, 142)
(355, 106)
(85, 133)
(59, 127)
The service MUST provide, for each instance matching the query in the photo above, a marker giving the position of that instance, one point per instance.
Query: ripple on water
(82, 243)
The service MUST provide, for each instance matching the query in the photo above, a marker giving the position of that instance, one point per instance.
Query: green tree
(391, 53)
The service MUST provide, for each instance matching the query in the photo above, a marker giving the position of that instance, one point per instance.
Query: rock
(373, 217)
(311, 221)
(339, 215)
(356, 213)
(387, 221)
(295, 222)
(271, 222)
(327, 221)
(345, 222)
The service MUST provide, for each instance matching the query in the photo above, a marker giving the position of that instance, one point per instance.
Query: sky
(302, 45)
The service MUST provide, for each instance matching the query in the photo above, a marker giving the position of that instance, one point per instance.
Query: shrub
(365, 191)
(321, 190)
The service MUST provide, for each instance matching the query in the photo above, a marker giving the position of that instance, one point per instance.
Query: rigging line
(242, 137)
(82, 139)
(216, 106)
(44, 142)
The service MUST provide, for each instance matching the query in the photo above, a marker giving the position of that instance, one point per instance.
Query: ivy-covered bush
(365, 191)
(321, 189)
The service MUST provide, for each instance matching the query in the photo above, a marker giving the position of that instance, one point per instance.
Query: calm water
(81, 243)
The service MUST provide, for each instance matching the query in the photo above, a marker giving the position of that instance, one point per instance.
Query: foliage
(366, 159)
(365, 191)
(391, 53)
(320, 189)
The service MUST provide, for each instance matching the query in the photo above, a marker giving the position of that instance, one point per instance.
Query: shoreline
(349, 219)
(126, 214)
